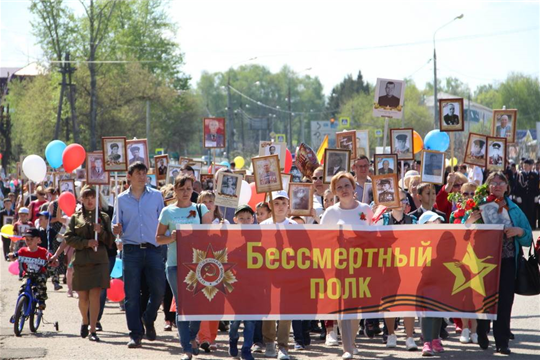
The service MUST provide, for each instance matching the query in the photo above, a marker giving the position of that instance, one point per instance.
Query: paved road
(66, 343)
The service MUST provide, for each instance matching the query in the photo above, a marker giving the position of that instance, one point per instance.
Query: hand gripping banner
(342, 272)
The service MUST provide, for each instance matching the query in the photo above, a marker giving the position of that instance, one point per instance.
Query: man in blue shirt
(135, 220)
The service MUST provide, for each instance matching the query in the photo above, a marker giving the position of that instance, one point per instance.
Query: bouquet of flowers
(465, 207)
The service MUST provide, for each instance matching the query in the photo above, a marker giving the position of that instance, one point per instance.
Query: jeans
(103, 295)
(301, 330)
(136, 262)
(187, 330)
(257, 335)
(249, 329)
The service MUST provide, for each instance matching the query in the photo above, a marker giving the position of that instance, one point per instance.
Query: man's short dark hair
(420, 188)
(137, 165)
(390, 83)
(362, 157)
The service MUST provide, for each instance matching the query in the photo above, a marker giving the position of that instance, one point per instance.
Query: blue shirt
(139, 218)
(172, 216)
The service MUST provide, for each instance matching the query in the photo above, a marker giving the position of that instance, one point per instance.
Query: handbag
(528, 274)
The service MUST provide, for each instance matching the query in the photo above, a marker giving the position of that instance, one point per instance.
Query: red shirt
(33, 261)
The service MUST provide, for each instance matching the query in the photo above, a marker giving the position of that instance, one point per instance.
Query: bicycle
(27, 308)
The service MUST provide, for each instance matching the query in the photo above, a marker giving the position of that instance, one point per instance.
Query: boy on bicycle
(34, 260)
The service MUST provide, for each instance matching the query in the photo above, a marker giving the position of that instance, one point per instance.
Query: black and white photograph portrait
(476, 150)
(386, 190)
(174, 171)
(491, 215)
(138, 151)
(228, 186)
(432, 167)
(335, 161)
(267, 148)
(385, 164)
(451, 114)
(207, 182)
(401, 143)
(496, 153)
(389, 96)
(67, 185)
(301, 196)
(114, 153)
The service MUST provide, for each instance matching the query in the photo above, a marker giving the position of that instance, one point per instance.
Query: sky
(333, 38)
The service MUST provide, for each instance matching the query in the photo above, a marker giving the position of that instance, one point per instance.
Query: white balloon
(34, 168)
(245, 193)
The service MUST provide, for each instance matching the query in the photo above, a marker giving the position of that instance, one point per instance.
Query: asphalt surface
(66, 343)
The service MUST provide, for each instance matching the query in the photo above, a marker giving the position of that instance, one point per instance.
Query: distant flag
(320, 152)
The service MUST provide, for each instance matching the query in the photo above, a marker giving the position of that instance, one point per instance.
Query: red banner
(342, 272)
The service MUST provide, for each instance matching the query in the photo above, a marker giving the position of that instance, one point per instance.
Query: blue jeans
(258, 336)
(249, 329)
(103, 295)
(137, 261)
(187, 330)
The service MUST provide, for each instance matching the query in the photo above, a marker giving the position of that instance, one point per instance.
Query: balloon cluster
(57, 154)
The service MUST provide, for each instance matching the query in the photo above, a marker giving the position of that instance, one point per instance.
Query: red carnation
(362, 216)
(470, 204)
(457, 221)
(491, 198)
(459, 213)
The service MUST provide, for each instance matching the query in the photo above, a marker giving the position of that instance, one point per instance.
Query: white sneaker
(331, 339)
(356, 351)
(270, 350)
(410, 344)
(257, 348)
(346, 355)
(391, 342)
(465, 337)
(474, 338)
(283, 354)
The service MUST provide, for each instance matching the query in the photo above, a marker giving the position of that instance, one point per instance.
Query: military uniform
(451, 119)
(386, 196)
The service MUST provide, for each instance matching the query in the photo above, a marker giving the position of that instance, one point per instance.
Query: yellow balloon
(239, 161)
(452, 162)
(7, 229)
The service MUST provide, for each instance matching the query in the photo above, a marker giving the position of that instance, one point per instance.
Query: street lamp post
(435, 100)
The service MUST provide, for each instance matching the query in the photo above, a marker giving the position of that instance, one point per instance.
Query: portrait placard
(228, 189)
(207, 182)
(137, 150)
(385, 164)
(267, 148)
(347, 140)
(67, 185)
(214, 133)
(335, 161)
(161, 163)
(402, 143)
(432, 167)
(386, 190)
(174, 171)
(491, 215)
(301, 199)
(389, 97)
(114, 153)
(504, 124)
(8, 220)
(496, 153)
(267, 173)
(286, 180)
(475, 153)
(362, 143)
(80, 174)
(95, 170)
(451, 115)
(151, 180)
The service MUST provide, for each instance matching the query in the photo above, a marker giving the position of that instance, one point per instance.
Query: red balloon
(288, 161)
(255, 198)
(73, 157)
(116, 292)
(67, 203)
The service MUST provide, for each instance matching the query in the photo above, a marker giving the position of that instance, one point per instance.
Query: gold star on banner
(476, 266)
(210, 272)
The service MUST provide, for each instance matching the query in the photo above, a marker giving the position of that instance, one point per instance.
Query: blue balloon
(117, 269)
(225, 163)
(54, 152)
(436, 140)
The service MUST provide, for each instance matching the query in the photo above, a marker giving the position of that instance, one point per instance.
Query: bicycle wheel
(35, 318)
(19, 315)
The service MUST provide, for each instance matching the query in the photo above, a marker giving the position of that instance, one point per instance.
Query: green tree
(345, 90)
(522, 92)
